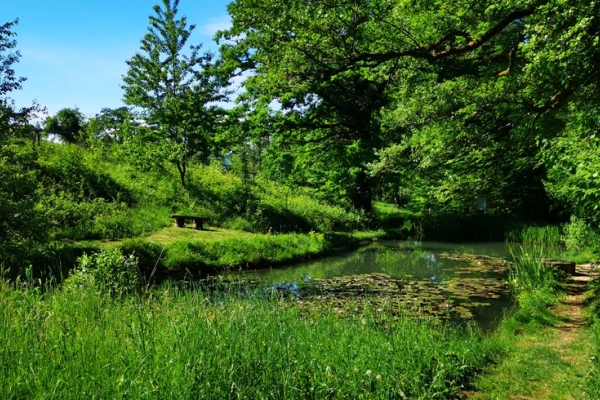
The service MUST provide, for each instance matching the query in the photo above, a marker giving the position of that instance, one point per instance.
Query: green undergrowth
(546, 235)
(174, 343)
(69, 193)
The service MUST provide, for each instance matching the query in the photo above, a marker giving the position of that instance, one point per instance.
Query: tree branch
(511, 57)
(428, 51)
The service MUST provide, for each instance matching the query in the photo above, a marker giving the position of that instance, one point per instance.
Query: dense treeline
(433, 106)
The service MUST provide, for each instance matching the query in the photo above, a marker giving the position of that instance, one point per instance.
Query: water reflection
(416, 264)
(400, 260)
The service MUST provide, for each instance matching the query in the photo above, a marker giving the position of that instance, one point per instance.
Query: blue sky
(74, 51)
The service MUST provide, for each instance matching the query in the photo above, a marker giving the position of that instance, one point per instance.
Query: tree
(8, 80)
(460, 80)
(67, 123)
(315, 59)
(19, 220)
(478, 130)
(12, 120)
(109, 126)
(174, 89)
(293, 50)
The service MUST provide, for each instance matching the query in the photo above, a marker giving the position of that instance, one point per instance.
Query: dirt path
(552, 363)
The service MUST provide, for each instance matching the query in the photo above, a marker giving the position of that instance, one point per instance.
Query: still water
(403, 260)
(410, 262)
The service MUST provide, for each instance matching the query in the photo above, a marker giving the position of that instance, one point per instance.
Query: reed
(529, 274)
(547, 235)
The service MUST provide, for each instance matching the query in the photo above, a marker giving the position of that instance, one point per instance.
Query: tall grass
(175, 343)
(529, 274)
(547, 235)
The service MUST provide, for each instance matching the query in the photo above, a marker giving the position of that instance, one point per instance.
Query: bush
(580, 236)
(108, 271)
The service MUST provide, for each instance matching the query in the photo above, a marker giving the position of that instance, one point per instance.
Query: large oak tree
(474, 84)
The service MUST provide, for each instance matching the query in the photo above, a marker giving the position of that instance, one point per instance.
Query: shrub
(580, 236)
(108, 271)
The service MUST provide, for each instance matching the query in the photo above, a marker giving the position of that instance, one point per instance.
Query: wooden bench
(198, 221)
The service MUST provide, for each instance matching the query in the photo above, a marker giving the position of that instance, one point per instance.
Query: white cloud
(216, 24)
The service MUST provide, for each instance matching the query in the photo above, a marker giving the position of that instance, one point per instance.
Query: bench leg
(198, 224)
(179, 222)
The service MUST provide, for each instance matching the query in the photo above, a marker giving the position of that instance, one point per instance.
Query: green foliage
(20, 221)
(174, 89)
(580, 236)
(78, 200)
(572, 158)
(330, 126)
(108, 271)
(283, 209)
(455, 109)
(187, 344)
(67, 123)
(544, 236)
(593, 380)
(250, 251)
(8, 80)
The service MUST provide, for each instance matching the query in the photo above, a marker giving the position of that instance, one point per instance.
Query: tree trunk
(361, 195)
(182, 168)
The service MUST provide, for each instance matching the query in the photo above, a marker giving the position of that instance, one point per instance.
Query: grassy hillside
(77, 194)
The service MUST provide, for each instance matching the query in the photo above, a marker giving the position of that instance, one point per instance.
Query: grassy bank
(176, 251)
(546, 346)
(187, 344)
(575, 241)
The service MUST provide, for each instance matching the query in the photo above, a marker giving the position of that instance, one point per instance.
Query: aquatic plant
(529, 274)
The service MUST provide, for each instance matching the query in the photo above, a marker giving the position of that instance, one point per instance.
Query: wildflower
(368, 372)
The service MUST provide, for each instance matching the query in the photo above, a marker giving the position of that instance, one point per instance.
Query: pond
(427, 278)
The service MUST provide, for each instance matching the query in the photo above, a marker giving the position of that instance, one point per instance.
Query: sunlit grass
(176, 343)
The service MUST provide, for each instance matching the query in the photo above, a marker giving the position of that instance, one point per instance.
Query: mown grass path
(552, 363)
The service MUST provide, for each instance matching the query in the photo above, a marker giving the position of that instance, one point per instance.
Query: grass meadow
(185, 343)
